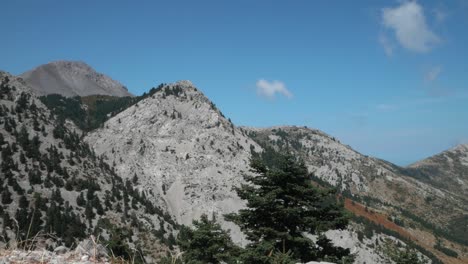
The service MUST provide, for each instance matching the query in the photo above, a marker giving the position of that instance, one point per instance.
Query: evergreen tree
(34, 177)
(22, 158)
(6, 196)
(282, 206)
(135, 179)
(80, 200)
(206, 243)
(57, 196)
(23, 202)
(23, 138)
(89, 213)
(7, 164)
(402, 256)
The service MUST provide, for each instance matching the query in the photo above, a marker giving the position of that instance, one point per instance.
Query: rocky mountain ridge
(55, 189)
(184, 150)
(357, 174)
(186, 157)
(191, 156)
(447, 170)
(72, 78)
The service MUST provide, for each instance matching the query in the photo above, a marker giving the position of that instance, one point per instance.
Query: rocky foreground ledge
(87, 252)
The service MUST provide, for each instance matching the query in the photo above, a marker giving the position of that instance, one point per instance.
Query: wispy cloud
(269, 89)
(409, 25)
(386, 44)
(440, 14)
(433, 86)
(420, 102)
(386, 107)
(432, 74)
(358, 119)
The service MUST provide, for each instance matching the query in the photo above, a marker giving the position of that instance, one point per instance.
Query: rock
(90, 248)
(315, 262)
(61, 250)
(187, 155)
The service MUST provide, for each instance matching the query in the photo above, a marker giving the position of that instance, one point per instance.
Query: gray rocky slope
(186, 153)
(72, 78)
(45, 167)
(447, 170)
(183, 150)
(187, 157)
(362, 176)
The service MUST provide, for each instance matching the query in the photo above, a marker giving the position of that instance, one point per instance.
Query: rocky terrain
(55, 189)
(447, 171)
(88, 251)
(190, 156)
(184, 150)
(72, 78)
(357, 175)
(168, 156)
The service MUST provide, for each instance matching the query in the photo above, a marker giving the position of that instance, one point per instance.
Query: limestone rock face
(447, 170)
(72, 78)
(183, 151)
(46, 159)
(362, 176)
(92, 249)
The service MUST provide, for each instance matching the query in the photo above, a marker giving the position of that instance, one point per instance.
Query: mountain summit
(186, 154)
(72, 78)
(447, 170)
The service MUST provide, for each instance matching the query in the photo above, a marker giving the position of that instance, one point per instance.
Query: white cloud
(270, 89)
(432, 74)
(440, 15)
(386, 107)
(386, 44)
(409, 23)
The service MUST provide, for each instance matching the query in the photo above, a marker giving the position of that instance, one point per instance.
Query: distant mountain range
(182, 155)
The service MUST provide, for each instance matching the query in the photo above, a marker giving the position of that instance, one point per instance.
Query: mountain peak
(67, 63)
(183, 149)
(185, 83)
(461, 147)
(72, 78)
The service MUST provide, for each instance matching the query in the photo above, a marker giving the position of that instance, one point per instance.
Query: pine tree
(206, 243)
(7, 164)
(6, 196)
(57, 196)
(23, 138)
(80, 200)
(403, 256)
(34, 177)
(89, 213)
(282, 206)
(23, 202)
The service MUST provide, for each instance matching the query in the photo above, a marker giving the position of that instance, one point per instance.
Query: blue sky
(389, 78)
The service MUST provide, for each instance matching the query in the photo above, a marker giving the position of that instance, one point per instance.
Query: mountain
(397, 193)
(173, 147)
(55, 190)
(184, 150)
(447, 170)
(355, 174)
(189, 155)
(72, 78)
